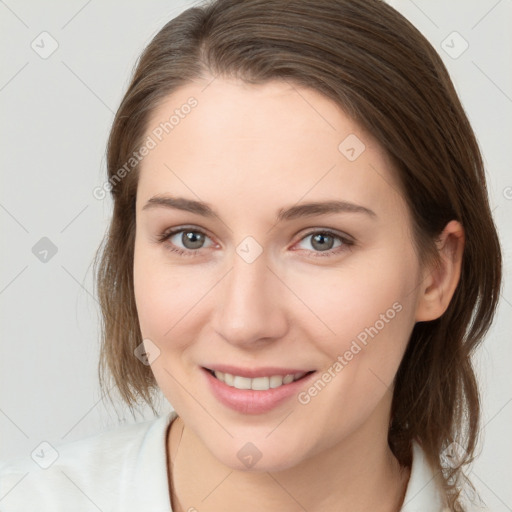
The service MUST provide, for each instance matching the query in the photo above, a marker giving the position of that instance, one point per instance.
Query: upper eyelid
(308, 232)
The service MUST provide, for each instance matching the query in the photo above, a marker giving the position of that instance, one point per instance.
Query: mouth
(260, 383)
(255, 390)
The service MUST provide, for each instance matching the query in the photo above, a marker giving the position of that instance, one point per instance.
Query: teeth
(287, 379)
(275, 381)
(258, 383)
(242, 383)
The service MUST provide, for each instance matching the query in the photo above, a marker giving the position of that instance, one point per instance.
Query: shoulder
(97, 472)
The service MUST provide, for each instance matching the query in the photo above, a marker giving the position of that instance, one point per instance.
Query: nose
(250, 311)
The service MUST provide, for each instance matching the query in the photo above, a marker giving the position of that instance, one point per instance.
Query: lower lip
(250, 401)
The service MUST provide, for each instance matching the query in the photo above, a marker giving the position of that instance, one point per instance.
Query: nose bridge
(249, 308)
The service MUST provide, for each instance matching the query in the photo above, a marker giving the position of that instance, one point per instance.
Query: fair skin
(249, 151)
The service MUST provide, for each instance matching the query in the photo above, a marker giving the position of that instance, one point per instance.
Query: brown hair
(383, 73)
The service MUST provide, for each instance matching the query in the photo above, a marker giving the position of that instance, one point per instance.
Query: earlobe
(440, 281)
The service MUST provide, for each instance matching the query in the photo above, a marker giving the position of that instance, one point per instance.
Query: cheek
(370, 310)
(363, 312)
(151, 294)
(356, 293)
(332, 306)
(167, 298)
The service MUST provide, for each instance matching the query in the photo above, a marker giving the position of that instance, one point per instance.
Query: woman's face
(260, 283)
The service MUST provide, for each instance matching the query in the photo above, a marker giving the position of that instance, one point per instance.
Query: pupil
(192, 240)
(321, 237)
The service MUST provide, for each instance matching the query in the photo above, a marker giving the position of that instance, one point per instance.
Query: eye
(323, 242)
(188, 242)
(191, 239)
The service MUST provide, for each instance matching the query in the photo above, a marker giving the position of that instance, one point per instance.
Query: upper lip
(251, 373)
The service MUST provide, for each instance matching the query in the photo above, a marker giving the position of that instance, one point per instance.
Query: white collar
(424, 491)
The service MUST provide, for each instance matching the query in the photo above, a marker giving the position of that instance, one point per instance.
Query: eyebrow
(284, 214)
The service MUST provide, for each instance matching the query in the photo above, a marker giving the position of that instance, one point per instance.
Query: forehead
(273, 142)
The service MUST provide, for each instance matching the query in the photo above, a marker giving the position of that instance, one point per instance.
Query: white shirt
(125, 469)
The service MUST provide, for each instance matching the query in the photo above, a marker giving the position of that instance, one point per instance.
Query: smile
(257, 390)
(257, 383)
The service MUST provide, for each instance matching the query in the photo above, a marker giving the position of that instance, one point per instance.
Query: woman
(301, 258)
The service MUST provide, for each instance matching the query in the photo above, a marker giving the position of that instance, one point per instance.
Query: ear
(440, 281)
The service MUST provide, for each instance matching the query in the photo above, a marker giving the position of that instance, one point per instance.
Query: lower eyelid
(166, 236)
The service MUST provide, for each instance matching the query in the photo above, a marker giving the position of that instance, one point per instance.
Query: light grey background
(56, 115)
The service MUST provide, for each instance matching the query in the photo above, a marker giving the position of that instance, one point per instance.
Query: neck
(359, 474)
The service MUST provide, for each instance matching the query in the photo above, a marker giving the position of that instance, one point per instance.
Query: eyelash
(346, 242)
